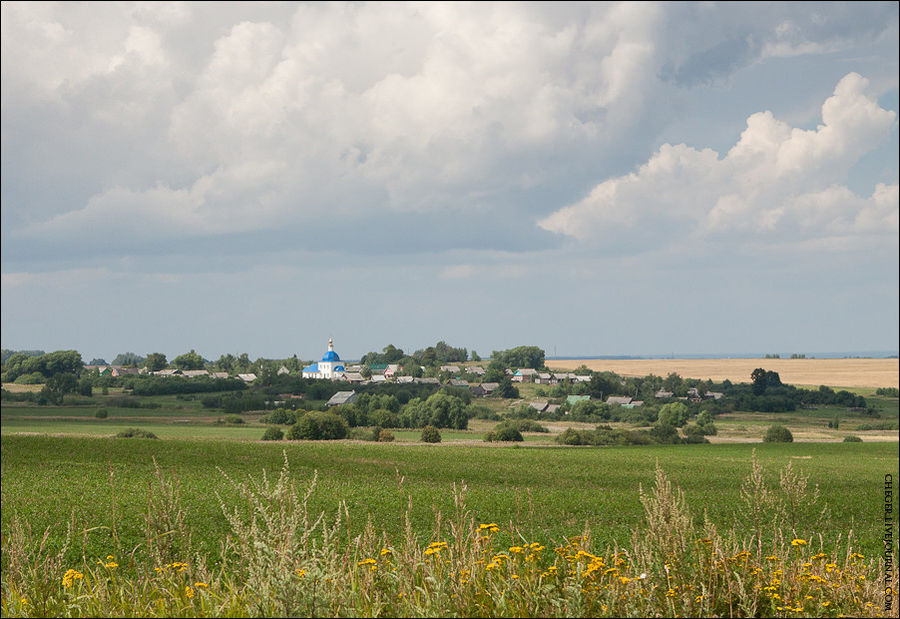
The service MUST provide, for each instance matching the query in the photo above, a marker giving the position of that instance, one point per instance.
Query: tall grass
(279, 559)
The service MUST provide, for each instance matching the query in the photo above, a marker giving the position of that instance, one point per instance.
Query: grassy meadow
(94, 525)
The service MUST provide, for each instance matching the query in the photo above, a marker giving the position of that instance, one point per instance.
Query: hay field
(833, 372)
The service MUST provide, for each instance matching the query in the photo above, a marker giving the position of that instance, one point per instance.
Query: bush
(319, 426)
(430, 434)
(386, 436)
(527, 425)
(778, 434)
(273, 434)
(890, 392)
(233, 419)
(280, 416)
(135, 433)
(852, 439)
(505, 432)
(101, 413)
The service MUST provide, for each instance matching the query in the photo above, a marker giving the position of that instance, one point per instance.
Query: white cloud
(776, 180)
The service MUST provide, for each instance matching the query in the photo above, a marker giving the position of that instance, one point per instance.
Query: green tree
(674, 414)
(128, 358)
(156, 361)
(189, 361)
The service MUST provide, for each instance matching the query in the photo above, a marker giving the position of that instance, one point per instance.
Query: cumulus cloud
(777, 181)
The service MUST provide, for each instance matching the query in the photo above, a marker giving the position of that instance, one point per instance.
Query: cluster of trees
(767, 394)
(38, 368)
(443, 409)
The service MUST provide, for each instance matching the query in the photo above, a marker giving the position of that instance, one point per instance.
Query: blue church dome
(330, 355)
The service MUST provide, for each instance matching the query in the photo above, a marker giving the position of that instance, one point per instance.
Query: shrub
(386, 436)
(273, 434)
(527, 425)
(430, 434)
(280, 416)
(852, 439)
(101, 413)
(135, 433)
(233, 419)
(506, 432)
(778, 434)
(319, 426)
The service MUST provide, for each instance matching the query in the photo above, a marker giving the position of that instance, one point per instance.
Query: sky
(593, 179)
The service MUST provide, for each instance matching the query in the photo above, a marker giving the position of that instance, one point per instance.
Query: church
(329, 367)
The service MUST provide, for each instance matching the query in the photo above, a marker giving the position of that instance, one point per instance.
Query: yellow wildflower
(371, 563)
(189, 592)
(201, 585)
(386, 551)
(301, 573)
(490, 528)
(516, 549)
(70, 577)
(798, 542)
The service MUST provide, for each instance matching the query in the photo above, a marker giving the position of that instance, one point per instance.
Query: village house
(342, 397)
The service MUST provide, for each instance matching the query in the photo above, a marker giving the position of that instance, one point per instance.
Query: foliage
(777, 433)
(385, 436)
(440, 354)
(519, 357)
(852, 438)
(273, 433)
(281, 416)
(233, 419)
(430, 434)
(126, 358)
(674, 414)
(504, 432)
(47, 365)
(101, 413)
(189, 361)
(319, 425)
(156, 361)
(135, 433)
(890, 392)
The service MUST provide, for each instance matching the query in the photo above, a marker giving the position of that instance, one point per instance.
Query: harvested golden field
(832, 372)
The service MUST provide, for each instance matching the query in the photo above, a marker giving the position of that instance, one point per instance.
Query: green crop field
(552, 492)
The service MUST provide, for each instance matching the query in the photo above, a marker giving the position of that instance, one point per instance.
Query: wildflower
(435, 548)
(670, 593)
(704, 540)
(490, 528)
(23, 601)
(856, 555)
(201, 585)
(535, 547)
(112, 564)
(826, 604)
(612, 571)
(624, 580)
(798, 542)
(516, 549)
(818, 556)
(301, 573)
(371, 563)
(386, 552)
(110, 557)
(189, 592)
(70, 577)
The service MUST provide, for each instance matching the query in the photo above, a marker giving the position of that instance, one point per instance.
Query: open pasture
(846, 373)
(551, 493)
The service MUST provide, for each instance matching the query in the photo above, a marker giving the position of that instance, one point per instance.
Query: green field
(551, 492)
